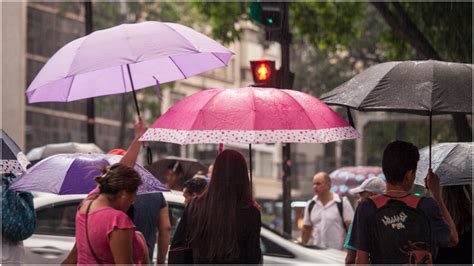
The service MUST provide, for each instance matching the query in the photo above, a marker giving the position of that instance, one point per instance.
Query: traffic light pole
(90, 101)
(285, 40)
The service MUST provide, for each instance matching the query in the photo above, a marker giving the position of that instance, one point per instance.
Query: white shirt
(328, 227)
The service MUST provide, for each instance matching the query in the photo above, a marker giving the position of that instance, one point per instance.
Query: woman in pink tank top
(110, 236)
(104, 232)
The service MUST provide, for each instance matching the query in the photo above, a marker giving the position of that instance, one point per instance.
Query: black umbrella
(189, 166)
(13, 160)
(417, 87)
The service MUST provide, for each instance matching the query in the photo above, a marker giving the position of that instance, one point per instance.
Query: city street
(168, 132)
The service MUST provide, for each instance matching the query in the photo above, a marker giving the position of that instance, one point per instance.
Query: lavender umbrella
(74, 174)
(124, 58)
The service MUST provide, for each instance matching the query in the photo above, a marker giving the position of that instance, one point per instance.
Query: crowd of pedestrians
(390, 225)
(221, 221)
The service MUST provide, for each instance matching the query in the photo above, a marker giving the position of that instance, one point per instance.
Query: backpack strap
(339, 208)
(409, 200)
(310, 207)
(379, 200)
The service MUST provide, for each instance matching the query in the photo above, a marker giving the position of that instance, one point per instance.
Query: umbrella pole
(431, 131)
(250, 167)
(149, 155)
(349, 116)
(133, 90)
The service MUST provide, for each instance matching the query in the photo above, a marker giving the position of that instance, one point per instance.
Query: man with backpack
(398, 227)
(326, 216)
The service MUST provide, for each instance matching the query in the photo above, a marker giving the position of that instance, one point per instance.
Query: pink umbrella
(250, 115)
(124, 58)
(349, 177)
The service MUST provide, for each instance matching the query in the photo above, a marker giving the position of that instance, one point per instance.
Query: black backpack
(400, 231)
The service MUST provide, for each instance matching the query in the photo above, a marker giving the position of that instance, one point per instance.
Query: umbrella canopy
(418, 87)
(13, 161)
(346, 178)
(250, 115)
(125, 57)
(57, 148)
(452, 162)
(190, 167)
(74, 174)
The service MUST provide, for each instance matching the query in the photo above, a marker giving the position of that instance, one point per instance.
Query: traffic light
(267, 14)
(264, 73)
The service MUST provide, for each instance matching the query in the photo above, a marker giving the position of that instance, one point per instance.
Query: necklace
(397, 191)
(394, 190)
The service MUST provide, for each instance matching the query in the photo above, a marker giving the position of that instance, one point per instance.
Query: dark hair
(458, 200)
(118, 177)
(214, 223)
(195, 185)
(398, 158)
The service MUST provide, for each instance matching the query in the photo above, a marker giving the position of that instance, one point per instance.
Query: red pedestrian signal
(263, 72)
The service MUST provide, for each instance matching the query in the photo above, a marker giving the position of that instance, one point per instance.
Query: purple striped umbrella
(74, 174)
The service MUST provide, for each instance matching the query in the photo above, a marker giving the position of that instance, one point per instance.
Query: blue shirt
(146, 217)
(348, 237)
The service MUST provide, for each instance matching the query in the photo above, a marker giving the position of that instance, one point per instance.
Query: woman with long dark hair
(223, 224)
(458, 200)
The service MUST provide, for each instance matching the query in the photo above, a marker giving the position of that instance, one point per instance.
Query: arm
(350, 256)
(432, 181)
(72, 257)
(362, 257)
(164, 229)
(130, 157)
(145, 257)
(307, 225)
(306, 233)
(121, 245)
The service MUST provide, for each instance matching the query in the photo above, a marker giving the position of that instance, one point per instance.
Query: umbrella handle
(149, 155)
(221, 147)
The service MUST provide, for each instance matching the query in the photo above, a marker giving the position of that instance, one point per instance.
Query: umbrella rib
(70, 88)
(123, 79)
(218, 58)
(178, 67)
(291, 97)
(184, 38)
(445, 156)
(200, 109)
(371, 90)
(253, 111)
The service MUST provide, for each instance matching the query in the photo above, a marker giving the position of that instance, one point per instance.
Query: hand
(432, 183)
(140, 127)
